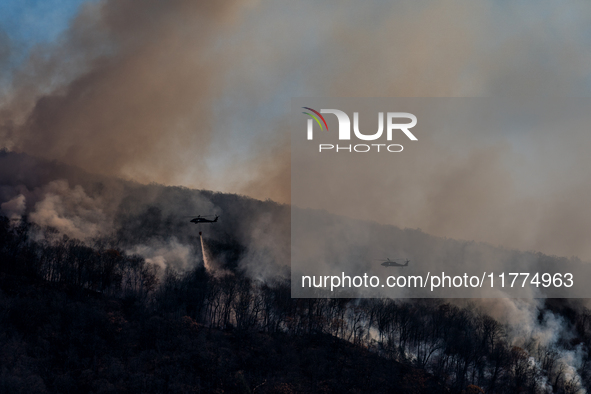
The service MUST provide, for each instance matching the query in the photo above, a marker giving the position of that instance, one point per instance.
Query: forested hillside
(107, 287)
(82, 318)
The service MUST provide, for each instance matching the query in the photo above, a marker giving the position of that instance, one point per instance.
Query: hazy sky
(198, 93)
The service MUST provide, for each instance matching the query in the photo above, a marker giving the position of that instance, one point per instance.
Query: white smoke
(165, 254)
(529, 325)
(14, 208)
(70, 211)
(265, 257)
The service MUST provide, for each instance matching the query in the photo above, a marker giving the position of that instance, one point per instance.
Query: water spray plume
(206, 261)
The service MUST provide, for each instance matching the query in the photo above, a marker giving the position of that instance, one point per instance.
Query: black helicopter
(390, 263)
(202, 219)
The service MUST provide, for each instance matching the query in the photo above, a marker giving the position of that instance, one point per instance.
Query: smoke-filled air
(120, 121)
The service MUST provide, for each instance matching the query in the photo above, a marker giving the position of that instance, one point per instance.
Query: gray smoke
(14, 208)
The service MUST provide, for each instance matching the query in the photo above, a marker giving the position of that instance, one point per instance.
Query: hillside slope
(60, 339)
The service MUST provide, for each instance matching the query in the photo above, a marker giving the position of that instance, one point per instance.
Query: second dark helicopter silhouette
(390, 263)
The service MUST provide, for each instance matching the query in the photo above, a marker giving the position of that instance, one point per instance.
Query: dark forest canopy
(82, 318)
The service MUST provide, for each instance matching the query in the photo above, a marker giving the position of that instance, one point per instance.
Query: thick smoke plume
(132, 94)
(70, 211)
(196, 93)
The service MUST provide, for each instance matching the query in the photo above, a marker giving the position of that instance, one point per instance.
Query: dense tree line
(71, 262)
(465, 351)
